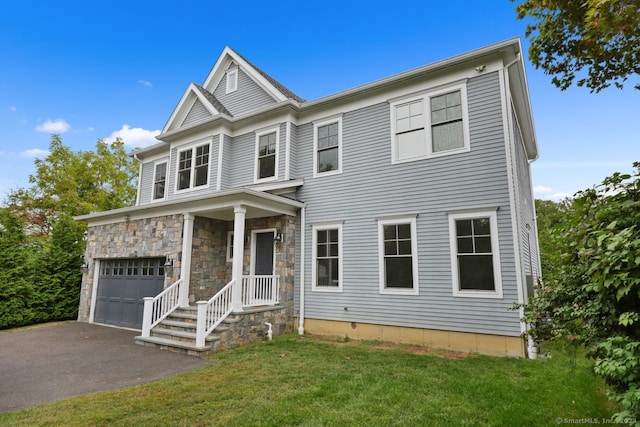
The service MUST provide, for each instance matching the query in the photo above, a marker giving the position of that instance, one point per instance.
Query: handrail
(159, 307)
(211, 313)
(260, 290)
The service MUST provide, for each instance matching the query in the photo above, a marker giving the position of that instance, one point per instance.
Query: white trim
(192, 146)
(139, 190)
(231, 77)
(229, 242)
(166, 180)
(94, 290)
(287, 150)
(425, 98)
(314, 253)
(316, 125)
(252, 264)
(495, 252)
(398, 220)
(220, 162)
(256, 171)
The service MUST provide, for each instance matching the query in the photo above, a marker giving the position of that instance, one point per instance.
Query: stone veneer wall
(151, 237)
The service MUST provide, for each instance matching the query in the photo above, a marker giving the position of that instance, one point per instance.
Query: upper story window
(475, 257)
(193, 167)
(327, 147)
(327, 257)
(266, 163)
(232, 80)
(398, 255)
(431, 125)
(159, 181)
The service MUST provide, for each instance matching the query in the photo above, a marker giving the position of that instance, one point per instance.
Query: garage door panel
(122, 285)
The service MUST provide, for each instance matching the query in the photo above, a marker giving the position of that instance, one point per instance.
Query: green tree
(571, 37)
(550, 216)
(594, 298)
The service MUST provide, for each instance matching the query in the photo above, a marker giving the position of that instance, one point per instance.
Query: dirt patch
(388, 346)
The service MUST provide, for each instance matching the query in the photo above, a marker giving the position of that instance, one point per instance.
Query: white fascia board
(184, 106)
(219, 69)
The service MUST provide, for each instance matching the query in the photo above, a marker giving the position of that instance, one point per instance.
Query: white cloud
(146, 83)
(541, 189)
(546, 193)
(34, 152)
(54, 126)
(134, 137)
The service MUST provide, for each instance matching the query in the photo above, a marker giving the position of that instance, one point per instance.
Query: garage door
(122, 285)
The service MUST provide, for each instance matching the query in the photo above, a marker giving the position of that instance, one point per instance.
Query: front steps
(178, 333)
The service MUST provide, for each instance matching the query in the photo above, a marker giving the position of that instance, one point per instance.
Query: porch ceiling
(219, 205)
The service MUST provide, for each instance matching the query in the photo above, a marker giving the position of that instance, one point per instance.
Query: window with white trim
(229, 246)
(232, 80)
(159, 180)
(327, 147)
(398, 255)
(326, 268)
(431, 125)
(475, 255)
(193, 167)
(266, 166)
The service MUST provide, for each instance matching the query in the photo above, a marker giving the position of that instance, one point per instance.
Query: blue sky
(90, 70)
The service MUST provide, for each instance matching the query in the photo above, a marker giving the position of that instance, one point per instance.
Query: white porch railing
(211, 313)
(260, 290)
(158, 307)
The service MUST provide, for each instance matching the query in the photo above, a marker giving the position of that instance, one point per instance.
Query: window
(148, 267)
(475, 261)
(232, 80)
(266, 167)
(193, 167)
(327, 147)
(326, 269)
(229, 246)
(159, 180)
(398, 255)
(132, 267)
(431, 125)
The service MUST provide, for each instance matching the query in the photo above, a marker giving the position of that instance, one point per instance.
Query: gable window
(193, 167)
(431, 125)
(232, 80)
(159, 180)
(327, 257)
(475, 260)
(327, 147)
(398, 255)
(266, 164)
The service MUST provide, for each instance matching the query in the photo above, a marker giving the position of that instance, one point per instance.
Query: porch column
(185, 266)
(238, 253)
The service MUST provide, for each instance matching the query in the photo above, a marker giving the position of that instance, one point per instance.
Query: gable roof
(193, 93)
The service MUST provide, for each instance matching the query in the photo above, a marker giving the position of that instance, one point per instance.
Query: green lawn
(305, 381)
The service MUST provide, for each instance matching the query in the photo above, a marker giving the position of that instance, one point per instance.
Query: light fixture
(85, 266)
(168, 265)
(279, 237)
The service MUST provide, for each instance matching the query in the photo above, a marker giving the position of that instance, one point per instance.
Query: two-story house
(399, 210)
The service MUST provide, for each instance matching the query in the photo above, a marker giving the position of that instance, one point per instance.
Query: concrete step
(182, 335)
(172, 345)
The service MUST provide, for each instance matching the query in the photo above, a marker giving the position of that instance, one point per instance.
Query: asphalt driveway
(51, 362)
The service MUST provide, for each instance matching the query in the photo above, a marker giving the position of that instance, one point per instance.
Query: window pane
(334, 272)
(333, 129)
(184, 179)
(481, 226)
(453, 98)
(333, 249)
(438, 103)
(321, 250)
(415, 108)
(158, 192)
(404, 247)
(333, 235)
(403, 125)
(201, 175)
(447, 136)
(323, 131)
(399, 272)
(390, 232)
(483, 245)
(454, 112)
(438, 116)
(322, 236)
(411, 144)
(463, 227)
(402, 111)
(391, 248)
(267, 166)
(404, 231)
(465, 245)
(323, 270)
(328, 160)
(476, 272)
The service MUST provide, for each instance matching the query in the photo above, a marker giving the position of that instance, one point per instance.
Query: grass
(309, 382)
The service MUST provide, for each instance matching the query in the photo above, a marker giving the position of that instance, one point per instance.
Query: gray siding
(248, 97)
(198, 112)
(146, 183)
(227, 165)
(293, 153)
(371, 187)
(527, 209)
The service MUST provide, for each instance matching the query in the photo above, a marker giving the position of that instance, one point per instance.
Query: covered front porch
(234, 253)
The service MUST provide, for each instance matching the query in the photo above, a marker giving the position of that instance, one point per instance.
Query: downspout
(302, 261)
